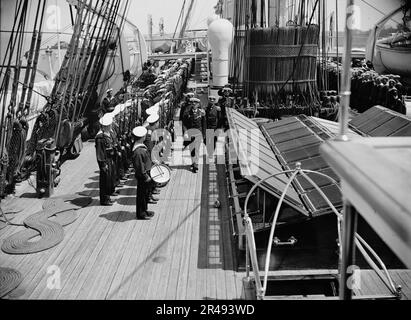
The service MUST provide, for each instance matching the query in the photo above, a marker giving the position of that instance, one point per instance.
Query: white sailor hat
(189, 94)
(139, 132)
(195, 100)
(117, 110)
(128, 103)
(153, 118)
(150, 111)
(168, 93)
(109, 90)
(106, 120)
(123, 107)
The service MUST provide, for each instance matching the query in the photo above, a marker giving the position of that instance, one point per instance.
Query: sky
(170, 11)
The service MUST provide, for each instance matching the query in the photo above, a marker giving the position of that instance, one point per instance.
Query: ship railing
(251, 251)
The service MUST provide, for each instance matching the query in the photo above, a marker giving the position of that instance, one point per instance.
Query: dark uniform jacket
(196, 119)
(212, 116)
(104, 148)
(148, 142)
(141, 162)
(107, 104)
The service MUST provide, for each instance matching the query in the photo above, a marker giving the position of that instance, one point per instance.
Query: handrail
(251, 252)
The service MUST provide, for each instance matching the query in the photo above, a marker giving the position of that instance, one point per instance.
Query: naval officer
(195, 122)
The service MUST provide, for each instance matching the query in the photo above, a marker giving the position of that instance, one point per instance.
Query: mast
(186, 20)
(150, 31)
(346, 76)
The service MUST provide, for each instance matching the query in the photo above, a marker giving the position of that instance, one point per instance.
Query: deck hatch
(382, 122)
(263, 162)
(303, 146)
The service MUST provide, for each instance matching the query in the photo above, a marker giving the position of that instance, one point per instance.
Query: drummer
(150, 142)
(142, 166)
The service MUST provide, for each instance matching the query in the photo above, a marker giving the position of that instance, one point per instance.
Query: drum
(160, 174)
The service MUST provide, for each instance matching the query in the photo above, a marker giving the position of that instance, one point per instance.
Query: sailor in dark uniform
(142, 166)
(212, 113)
(107, 101)
(150, 142)
(185, 108)
(104, 152)
(224, 103)
(196, 121)
(115, 134)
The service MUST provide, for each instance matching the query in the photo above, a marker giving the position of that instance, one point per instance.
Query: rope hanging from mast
(97, 26)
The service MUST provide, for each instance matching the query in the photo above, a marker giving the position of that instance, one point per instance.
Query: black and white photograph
(205, 157)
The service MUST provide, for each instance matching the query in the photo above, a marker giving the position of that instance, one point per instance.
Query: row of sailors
(115, 158)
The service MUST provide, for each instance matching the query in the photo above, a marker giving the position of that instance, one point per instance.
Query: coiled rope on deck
(48, 224)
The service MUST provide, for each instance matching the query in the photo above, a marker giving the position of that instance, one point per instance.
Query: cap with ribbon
(195, 100)
(106, 120)
(117, 110)
(153, 118)
(139, 132)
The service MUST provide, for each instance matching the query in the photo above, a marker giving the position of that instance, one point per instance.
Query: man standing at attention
(104, 152)
(142, 166)
(150, 142)
(106, 104)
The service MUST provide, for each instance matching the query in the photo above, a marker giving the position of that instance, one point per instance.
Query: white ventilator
(220, 36)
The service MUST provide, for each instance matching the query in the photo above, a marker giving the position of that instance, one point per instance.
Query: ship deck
(185, 252)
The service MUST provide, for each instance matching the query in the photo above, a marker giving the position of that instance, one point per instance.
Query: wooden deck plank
(122, 290)
(33, 276)
(188, 256)
(78, 235)
(193, 241)
(201, 292)
(158, 284)
(192, 277)
(154, 287)
(116, 285)
(178, 236)
(94, 265)
(84, 243)
(152, 244)
(131, 275)
(185, 253)
(63, 258)
(106, 259)
(134, 272)
(113, 256)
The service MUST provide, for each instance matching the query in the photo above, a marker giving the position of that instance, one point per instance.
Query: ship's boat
(393, 55)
